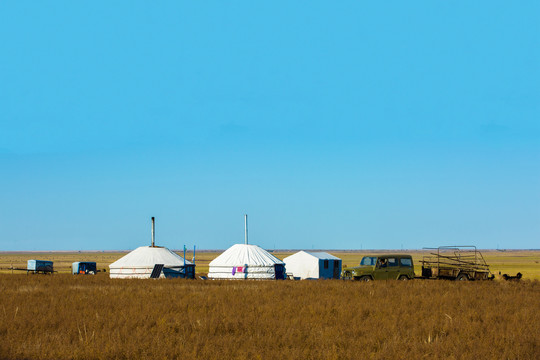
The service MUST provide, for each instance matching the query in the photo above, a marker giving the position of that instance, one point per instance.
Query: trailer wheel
(366, 278)
(462, 277)
(403, 278)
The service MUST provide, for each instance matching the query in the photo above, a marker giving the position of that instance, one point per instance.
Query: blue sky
(339, 125)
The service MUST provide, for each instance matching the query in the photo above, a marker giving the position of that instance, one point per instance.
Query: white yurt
(151, 261)
(244, 261)
(141, 262)
(313, 265)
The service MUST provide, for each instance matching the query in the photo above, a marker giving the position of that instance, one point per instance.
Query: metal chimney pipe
(153, 231)
(245, 230)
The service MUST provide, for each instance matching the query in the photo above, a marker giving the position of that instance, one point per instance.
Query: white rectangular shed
(313, 265)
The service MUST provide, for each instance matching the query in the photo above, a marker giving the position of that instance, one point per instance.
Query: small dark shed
(84, 268)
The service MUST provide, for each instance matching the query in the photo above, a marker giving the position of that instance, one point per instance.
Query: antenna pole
(153, 231)
(245, 230)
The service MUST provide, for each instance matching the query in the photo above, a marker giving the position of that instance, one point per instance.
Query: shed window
(326, 264)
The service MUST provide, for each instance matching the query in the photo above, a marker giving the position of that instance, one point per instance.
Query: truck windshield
(368, 260)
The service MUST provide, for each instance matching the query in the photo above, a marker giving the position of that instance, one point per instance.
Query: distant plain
(509, 261)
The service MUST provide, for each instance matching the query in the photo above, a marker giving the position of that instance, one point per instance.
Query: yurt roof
(242, 254)
(145, 256)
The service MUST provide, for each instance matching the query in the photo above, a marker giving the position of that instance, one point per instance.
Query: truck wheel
(462, 277)
(366, 278)
(403, 277)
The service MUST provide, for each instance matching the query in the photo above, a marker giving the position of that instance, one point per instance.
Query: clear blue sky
(332, 124)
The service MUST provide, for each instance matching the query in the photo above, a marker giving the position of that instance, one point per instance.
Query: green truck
(381, 267)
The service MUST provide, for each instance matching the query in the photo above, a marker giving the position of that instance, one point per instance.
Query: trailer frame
(455, 262)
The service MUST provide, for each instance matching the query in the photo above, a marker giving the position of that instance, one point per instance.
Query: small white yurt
(243, 261)
(151, 261)
(313, 265)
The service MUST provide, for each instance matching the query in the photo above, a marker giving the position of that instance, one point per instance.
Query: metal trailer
(462, 262)
(84, 268)
(39, 266)
(187, 271)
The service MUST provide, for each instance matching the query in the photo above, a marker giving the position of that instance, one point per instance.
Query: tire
(403, 278)
(462, 277)
(366, 278)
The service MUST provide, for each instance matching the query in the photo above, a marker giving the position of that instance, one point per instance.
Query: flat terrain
(94, 317)
(511, 262)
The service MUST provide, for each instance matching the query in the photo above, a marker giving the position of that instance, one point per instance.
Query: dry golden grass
(94, 317)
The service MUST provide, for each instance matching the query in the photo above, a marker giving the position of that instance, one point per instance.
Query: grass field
(512, 261)
(94, 317)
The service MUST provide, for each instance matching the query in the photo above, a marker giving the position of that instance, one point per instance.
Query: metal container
(39, 266)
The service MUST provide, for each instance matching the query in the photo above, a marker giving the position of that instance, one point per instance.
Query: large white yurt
(244, 261)
(141, 262)
(313, 265)
(151, 261)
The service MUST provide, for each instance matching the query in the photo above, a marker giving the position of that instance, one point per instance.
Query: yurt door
(280, 271)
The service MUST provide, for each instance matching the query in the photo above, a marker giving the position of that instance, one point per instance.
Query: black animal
(512, 278)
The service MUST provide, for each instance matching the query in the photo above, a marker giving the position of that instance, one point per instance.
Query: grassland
(511, 262)
(94, 317)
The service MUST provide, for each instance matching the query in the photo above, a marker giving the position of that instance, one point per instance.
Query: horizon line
(267, 249)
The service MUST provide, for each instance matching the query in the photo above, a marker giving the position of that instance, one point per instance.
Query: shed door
(336, 269)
